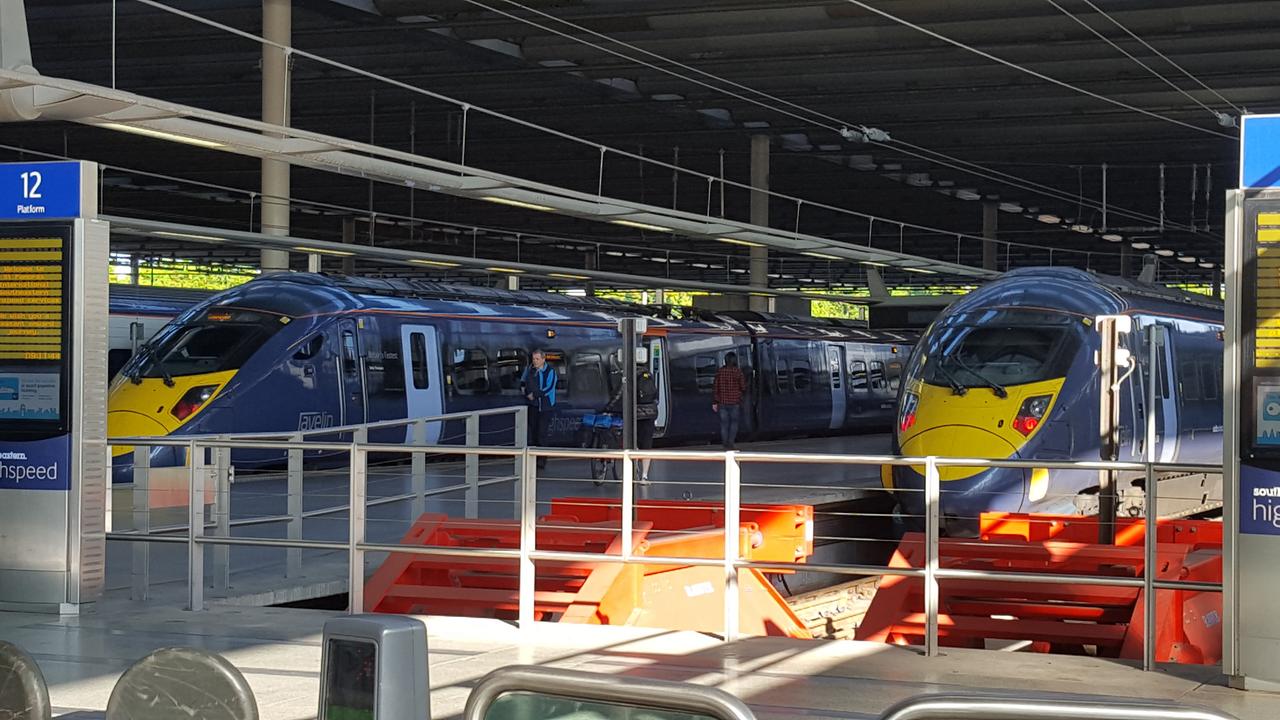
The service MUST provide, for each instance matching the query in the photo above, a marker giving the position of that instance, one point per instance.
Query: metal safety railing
(576, 685)
(700, 700)
(526, 498)
(295, 445)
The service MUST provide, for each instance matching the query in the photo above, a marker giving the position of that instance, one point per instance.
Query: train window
(877, 375)
(470, 371)
(1005, 354)
(204, 347)
(858, 375)
(801, 375)
(509, 367)
(587, 383)
(418, 361)
(1190, 381)
(894, 373)
(350, 355)
(310, 348)
(706, 366)
(1211, 379)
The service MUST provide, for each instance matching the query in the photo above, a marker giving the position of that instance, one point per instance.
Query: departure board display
(1267, 319)
(33, 316)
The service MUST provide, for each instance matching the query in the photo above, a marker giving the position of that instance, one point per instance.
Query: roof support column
(759, 216)
(349, 238)
(990, 223)
(1126, 260)
(277, 27)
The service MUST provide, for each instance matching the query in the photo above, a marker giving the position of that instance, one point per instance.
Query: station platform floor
(278, 650)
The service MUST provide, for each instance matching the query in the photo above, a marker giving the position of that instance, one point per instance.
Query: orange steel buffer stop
(666, 596)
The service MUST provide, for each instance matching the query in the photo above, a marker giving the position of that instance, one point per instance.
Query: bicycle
(606, 434)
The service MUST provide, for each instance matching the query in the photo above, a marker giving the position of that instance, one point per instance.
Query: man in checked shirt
(726, 400)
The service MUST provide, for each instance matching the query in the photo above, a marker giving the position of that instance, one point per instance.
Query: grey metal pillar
(759, 216)
(628, 328)
(513, 282)
(277, 27)
(990, 221)
(1126, 260)
(349, 237)
(1217, 284)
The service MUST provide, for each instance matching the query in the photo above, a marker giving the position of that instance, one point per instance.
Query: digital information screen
(33, 322)
(350, 684)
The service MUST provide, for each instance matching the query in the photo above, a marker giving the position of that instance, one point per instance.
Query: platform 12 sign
(39, 191)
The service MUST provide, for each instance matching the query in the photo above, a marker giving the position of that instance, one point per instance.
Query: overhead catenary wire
(362, 213)
(296, 52)
(1034, 73)
(1166, 58)
(1131, 56)
(810, 116)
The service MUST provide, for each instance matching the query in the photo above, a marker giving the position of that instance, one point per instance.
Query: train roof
(1087, 293)
(148, 300)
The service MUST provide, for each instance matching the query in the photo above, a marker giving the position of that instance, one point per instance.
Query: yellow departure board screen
(31, 297)
(1267, 315)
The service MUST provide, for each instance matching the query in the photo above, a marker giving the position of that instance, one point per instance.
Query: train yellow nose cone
(126, 423)
(963, 441)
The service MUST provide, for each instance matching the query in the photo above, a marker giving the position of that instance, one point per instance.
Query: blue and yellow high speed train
(1008, 372)
(303, 351)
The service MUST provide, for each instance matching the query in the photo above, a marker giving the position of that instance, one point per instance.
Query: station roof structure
(943, 106)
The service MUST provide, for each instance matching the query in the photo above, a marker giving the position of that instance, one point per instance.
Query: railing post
(195, 526)
(628, 502)
(1155, 354)
(471, 501)
(418, 470)
(520, 439)
(222, 517)
(932, 497)
(141, 522)
(358, 494)
(526, 509)
(293, 501)
(732, 515)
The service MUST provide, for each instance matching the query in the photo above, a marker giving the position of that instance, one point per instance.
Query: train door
(1166, 407)
(423, 382)
(835, 362)
(658, 366)
(351, 400)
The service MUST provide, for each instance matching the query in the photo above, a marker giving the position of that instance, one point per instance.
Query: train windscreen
(216, 341)
(997, 349)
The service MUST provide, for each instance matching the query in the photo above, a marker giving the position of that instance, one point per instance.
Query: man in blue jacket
(539, 387)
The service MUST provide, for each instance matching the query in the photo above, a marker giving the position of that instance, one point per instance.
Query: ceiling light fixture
(1112, 237)
(513, 271)
(919, 270)
(1141, 246)
(745, 243)
(188, 236)
(641, 226)
(873, 263)
(517, 203)
(161, 135)
(1049, 219)
(435, 263)
(567, 276)
(823, 256)
(1206, 265)
(322, 251)
(1165, 252)
(1186, 259)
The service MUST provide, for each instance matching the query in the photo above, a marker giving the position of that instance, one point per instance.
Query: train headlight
(1031, 414)
(907, 418)
(192, 401)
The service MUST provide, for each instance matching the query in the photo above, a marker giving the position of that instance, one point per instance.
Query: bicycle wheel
(600, 466)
